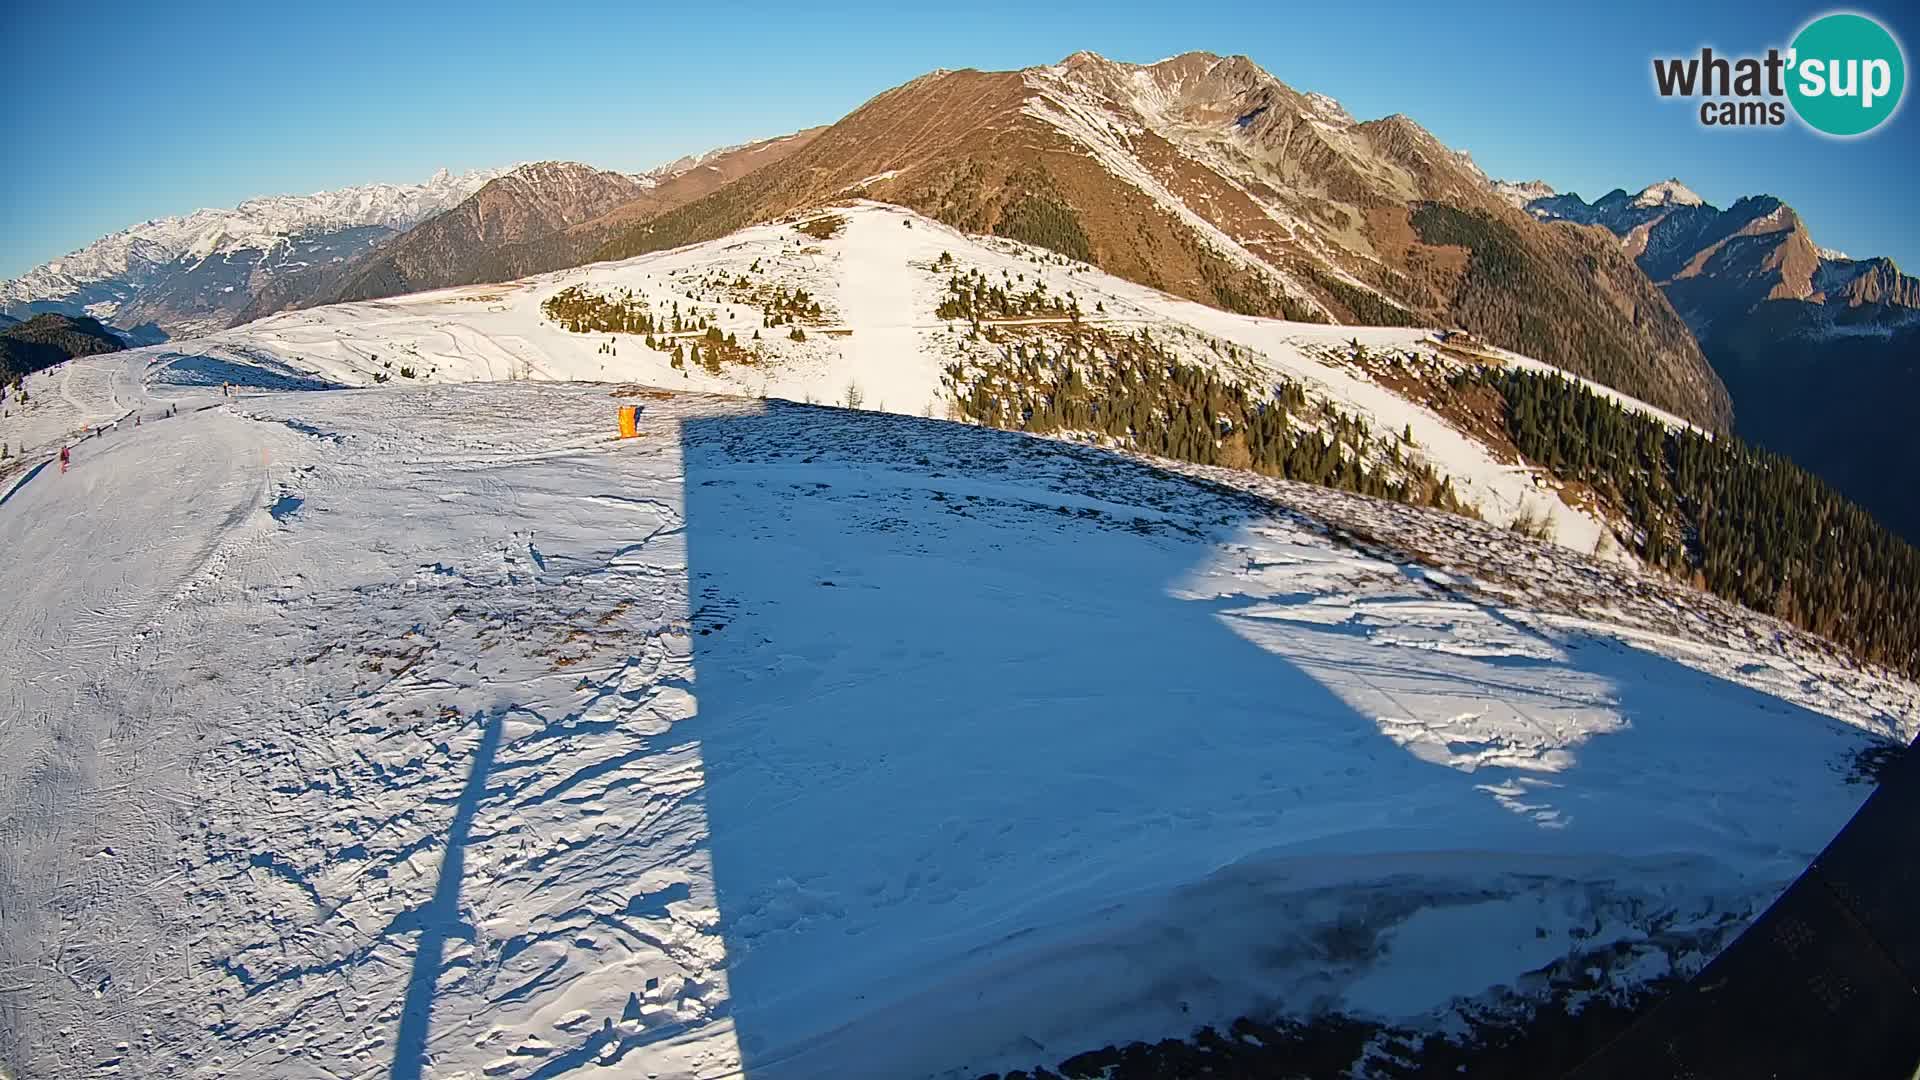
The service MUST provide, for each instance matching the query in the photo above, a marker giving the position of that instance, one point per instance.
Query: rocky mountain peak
(1200, 89)
(1669, 192)
(1519, 193)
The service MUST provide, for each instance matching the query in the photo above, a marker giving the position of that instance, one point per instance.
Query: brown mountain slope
(1207, 177)
(467, 243)
(675, 185)
(537, 218)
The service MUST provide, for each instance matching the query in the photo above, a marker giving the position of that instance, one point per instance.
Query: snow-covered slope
(429, 730)
(879, 280)
(1209, 178)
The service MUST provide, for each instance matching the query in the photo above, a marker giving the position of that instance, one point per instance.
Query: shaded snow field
(431, 732)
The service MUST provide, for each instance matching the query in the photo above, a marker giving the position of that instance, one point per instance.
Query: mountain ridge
(198, 272)
(536, 218)
(189, 272)
(1758, 238)
(1817, 349)
(1200, 174)
(528, 201)
(1208, 177)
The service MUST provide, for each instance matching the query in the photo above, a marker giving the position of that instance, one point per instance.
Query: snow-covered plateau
(368, 724)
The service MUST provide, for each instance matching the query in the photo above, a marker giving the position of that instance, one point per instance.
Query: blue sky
(129, 110)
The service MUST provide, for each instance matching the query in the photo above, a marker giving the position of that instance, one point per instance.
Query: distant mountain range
(191, 275)
(544, 216)
(1821, 352)
(194, 273)
(1715, 264)
(1200, 175)
(453, 246)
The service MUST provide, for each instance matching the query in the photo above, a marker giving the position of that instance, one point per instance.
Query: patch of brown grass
(824, 227)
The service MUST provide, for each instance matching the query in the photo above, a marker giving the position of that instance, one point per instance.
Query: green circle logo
(1848, 74)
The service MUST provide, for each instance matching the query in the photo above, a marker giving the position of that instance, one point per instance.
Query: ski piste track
(430, 732)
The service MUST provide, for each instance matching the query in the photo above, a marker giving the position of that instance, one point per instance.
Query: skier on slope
(63, 459)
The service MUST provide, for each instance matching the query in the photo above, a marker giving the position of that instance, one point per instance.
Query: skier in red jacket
(63, 459)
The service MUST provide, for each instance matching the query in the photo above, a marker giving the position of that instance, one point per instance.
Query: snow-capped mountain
(1669, 192)
(191, 272)
(213, 268)
(1620, 211)
(1717, 264)
(1200, 174)
(1208, 177)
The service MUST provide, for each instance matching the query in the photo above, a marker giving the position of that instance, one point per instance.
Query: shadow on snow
(947, 715)
(953, 704)
(441, 919)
